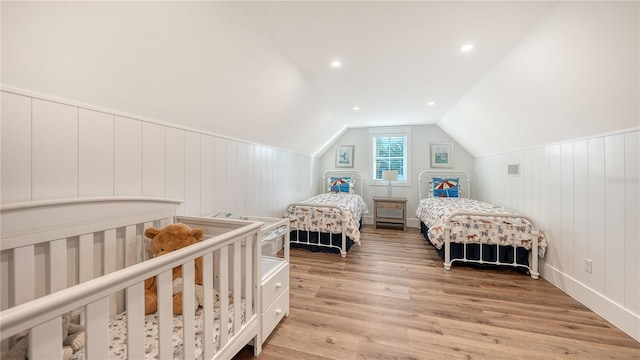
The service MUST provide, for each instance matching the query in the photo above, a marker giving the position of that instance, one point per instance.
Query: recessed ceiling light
(431, 103)
(467, 47)
(336, 63)
(356, 108)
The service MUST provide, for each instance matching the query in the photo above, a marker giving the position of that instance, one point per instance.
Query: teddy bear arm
(199, 271)
(177, 304)
(150, 284)
(150, 302)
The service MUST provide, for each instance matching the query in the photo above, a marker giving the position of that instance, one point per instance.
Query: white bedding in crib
(118, 334)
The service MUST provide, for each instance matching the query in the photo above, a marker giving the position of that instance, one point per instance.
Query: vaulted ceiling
(260, 71)
(401, 61)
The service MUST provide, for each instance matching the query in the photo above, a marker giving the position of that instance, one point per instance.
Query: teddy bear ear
(151, 232)
(197, 233)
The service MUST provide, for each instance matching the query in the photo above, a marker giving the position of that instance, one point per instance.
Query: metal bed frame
(426, 190)
(358, 178)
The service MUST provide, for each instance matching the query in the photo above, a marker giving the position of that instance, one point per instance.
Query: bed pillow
(340, 184)
(446, 187)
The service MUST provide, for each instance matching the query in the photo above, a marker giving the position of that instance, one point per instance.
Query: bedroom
(95, 104)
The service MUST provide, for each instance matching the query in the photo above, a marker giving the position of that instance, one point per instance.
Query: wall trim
(63, 101)
(620, 317)
(608, 133)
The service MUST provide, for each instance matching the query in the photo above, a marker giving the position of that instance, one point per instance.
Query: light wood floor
(392, 299)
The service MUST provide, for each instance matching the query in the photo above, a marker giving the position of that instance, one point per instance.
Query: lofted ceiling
(260, 71)
(397, 57)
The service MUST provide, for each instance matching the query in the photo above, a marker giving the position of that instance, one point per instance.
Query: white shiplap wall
(585, 196)
(56, 149)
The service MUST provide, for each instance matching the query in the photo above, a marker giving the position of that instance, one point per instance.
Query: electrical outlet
(587, 265)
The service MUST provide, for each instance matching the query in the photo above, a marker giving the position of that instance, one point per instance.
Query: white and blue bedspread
(433, 212)
(328, 220)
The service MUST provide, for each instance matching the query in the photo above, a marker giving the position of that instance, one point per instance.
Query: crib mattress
(118, 334)
(328, 220)
(433, 212)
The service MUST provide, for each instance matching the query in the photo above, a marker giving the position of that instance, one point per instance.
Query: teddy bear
(162, 241)
(73, 336)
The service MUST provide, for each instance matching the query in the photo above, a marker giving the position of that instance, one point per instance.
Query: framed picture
(442, 155)
(344, 156)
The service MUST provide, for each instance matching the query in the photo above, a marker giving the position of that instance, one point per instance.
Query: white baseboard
(620, 317)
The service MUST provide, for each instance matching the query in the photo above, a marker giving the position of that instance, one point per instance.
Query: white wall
(421, 138)
(585, 196)
(53, 149)
(201, 64)
(575, 75)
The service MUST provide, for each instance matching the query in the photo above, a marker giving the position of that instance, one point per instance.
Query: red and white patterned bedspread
(486, 229)
(328, 220)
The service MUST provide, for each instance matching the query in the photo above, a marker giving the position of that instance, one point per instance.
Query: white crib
(90, 256)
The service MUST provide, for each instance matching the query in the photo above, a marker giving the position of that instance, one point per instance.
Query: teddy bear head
(172, 237)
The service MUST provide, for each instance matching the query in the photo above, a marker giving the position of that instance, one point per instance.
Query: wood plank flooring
(391, 299)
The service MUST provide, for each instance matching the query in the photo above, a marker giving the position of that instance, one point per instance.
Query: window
(390, 152)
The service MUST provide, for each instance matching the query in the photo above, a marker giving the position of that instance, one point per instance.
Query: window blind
(390, 154)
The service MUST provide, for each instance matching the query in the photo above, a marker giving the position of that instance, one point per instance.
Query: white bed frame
(358, 179)
(425, 190)
(58, 256)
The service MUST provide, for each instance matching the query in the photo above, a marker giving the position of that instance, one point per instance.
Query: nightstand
(389, 210)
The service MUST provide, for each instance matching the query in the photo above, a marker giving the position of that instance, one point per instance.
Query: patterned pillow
(446, 187)
(340, 184)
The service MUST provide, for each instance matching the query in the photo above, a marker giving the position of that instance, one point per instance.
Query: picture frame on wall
(344, 156)
(442, 155)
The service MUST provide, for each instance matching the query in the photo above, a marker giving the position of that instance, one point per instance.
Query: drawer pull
(278, 311)
(278, 285)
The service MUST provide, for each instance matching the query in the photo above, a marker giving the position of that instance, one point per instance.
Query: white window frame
(404, 131)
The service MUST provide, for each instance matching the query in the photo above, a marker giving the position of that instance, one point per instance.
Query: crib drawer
(274, 313)
(274, 283)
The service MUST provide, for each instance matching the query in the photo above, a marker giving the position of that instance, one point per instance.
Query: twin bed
(330, 221)
(466, 230)
(89, 257)
(461, 229)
